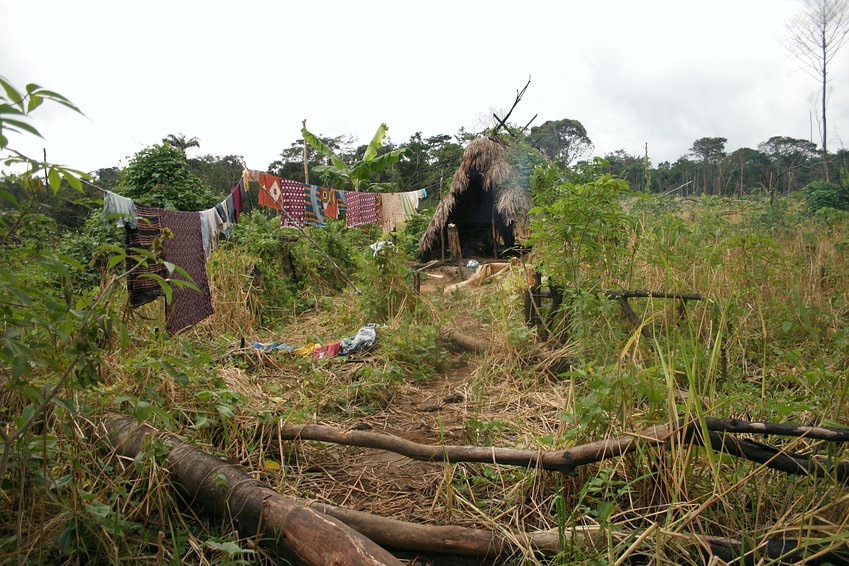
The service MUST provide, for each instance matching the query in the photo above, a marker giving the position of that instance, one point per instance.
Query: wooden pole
(306, 158)
(454, 243)
(441, 232)
(255, 509)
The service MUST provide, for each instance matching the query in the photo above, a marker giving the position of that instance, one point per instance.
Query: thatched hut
(488, 202)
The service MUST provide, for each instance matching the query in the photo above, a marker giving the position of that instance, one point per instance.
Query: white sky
(242, 75)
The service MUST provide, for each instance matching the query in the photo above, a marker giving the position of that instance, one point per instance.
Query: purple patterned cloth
(141, 288)
(187, 306)
(363, 208)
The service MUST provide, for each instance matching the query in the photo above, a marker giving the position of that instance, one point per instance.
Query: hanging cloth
(117, 204)
(392, 214)
(269, 190)
(362, 208)
(329, 202)
(313, 208)
(238, 195)
(142, 288)
(292, 197)
(341, 203)
(210, 224)
(187, 306)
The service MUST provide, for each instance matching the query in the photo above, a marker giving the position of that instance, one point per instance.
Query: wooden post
(306, 161)
(454, 242)
(441, 232)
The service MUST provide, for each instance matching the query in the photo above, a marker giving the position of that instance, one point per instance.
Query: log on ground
(281, 524)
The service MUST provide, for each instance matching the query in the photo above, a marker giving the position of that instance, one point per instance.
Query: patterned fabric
(363, 208)
(292, 214)
(341, 202)
(185, 249)
(329, 202)
(313, 206)
(269, 190)
(392, 215)
(142, 288)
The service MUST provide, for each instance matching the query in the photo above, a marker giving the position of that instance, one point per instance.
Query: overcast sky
(241, 76)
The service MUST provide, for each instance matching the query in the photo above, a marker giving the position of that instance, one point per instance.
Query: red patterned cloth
(187, 306)
(269, 190)
(363, 208)
(294, 210)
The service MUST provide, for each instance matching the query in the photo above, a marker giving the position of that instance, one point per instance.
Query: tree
(181, 142)
(218, 172)
(787, 156)
(159, 176)
(816, 35)
(360, 175)
(711, 151)
(563, 141)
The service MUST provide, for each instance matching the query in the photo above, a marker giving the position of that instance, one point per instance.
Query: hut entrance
(487, 202)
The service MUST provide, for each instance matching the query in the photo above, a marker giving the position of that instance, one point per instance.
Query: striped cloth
(187, 306)
(363, 208)
(141, 287)
(313, 206)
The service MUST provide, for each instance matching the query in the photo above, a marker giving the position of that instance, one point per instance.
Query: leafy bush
(822, 194)
(159, 176)
(385, 284)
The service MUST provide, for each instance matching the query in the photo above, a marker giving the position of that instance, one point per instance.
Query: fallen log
(466, 541)
(280, 523)
(568, 459)
(557, 460)
(832, 434)
(444, 539)
(466, 342)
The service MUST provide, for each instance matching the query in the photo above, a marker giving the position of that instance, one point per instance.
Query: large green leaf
(374, 144)
(364, 170)
(319, 146)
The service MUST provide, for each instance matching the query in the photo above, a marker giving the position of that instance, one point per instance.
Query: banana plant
(359, 175)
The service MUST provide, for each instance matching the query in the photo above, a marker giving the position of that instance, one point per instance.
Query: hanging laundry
(329, 203)
(250, 175)
(313, 209)
(225, 213)
(392, 214)
(238, 194)
(269, 190)
(293, 211)
(341, 203)
(117, 204)
(410, 201)
(187, 306)
(363, 208)
(210, 224)
(142, 288)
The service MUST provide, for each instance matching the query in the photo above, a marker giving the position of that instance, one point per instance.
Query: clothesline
(196, 234)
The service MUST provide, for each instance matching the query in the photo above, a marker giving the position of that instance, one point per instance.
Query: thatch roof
(486, 166)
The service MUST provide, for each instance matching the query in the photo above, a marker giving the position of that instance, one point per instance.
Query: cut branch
(281, 524)
(568, 459)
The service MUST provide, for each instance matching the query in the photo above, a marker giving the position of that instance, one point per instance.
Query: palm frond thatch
(485, 166)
